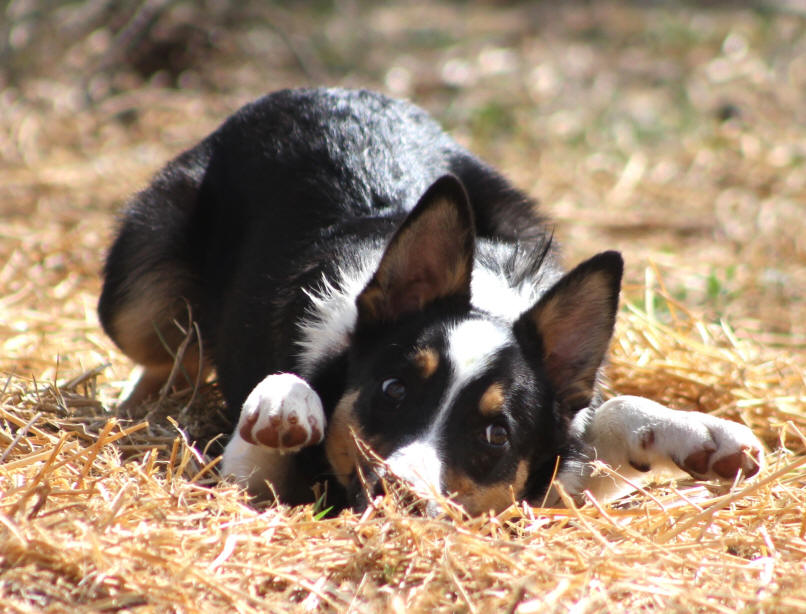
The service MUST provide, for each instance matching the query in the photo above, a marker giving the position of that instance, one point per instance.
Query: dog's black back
(236, 226)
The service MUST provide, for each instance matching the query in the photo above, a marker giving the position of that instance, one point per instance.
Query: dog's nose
(378, 489)
(358, 499)
(361, 491)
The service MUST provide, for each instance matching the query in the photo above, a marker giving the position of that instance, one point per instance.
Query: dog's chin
(362, 494)
(357, 496)
(433, 509)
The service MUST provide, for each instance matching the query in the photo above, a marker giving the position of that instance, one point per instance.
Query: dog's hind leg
(144, 384)
(151, 292)
(149, 326)
(641, 439)
(150, 381)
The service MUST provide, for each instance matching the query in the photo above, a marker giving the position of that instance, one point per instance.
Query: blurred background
(673, 131)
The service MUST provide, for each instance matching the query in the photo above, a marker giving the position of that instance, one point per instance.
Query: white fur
(326, 328)
(283, 395)
(492, 292)
(280, 396)
(420, 464)
(472, 344)
(254, 467)
(627, 431)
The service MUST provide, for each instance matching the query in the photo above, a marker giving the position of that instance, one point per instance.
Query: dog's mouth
(401, 486)
(377, 486)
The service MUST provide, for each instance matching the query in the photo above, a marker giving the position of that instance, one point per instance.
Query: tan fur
(371, 301)
(477, 499)
(152, 379)
(549, 318)
(492, 401)
(554, 319)
(419, 266)
(147, 385)
(456, 278)
(443, 216)
(427, 361)
(150, 306)
(339, 443)
(147, 321)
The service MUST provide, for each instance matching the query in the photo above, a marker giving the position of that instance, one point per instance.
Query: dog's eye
(394, 389)
(496, 435)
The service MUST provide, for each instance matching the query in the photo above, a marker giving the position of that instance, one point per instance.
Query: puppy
(354, 272)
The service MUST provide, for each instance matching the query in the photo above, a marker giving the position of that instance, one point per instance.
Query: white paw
(282, 413)
(658, 438)
(710, 448)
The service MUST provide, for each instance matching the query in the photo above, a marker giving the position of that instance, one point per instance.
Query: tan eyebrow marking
(427, 361)
(492, 401)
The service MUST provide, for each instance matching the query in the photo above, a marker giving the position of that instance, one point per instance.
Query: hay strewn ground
(109, 516)
(673, 133)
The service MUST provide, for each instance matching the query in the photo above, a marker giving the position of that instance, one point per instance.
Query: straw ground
(672, 133)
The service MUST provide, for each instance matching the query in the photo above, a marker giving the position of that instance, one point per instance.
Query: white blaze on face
(472, 345)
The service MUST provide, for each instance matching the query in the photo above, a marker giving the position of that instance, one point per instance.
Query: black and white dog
(354, 271)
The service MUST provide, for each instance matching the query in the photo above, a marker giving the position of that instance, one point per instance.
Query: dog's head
(456, 400)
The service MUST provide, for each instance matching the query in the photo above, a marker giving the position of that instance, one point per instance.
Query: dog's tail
(150, 288)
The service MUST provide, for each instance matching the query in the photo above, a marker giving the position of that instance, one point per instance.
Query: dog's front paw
(716, 449)
(704, 446)
(283, 413)
(651, 438)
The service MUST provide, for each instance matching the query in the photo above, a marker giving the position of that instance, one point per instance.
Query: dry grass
(106, 515)
(608, 114)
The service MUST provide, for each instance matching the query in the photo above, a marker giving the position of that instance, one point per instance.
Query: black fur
(290, 189)
(282, 185)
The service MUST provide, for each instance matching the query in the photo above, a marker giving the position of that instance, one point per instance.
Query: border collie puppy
(354, 272)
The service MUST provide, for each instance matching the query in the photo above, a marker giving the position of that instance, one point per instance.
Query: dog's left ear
(571, 325)
(429, 257)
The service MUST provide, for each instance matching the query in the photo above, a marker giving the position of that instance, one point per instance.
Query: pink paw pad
(282, 413)
(729, 466)
(696, 463)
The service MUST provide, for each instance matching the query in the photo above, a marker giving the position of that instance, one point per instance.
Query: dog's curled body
(354, 271)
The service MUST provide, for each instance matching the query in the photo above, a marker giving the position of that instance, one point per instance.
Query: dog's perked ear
(429, 257)
(571, 325)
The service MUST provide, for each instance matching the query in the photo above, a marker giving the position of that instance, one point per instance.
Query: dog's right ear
(430, 257)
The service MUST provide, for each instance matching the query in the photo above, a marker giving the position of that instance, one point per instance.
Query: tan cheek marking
(492, 401)
(427, 361)
(339, 443)
(521, 475)
(477, 499)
